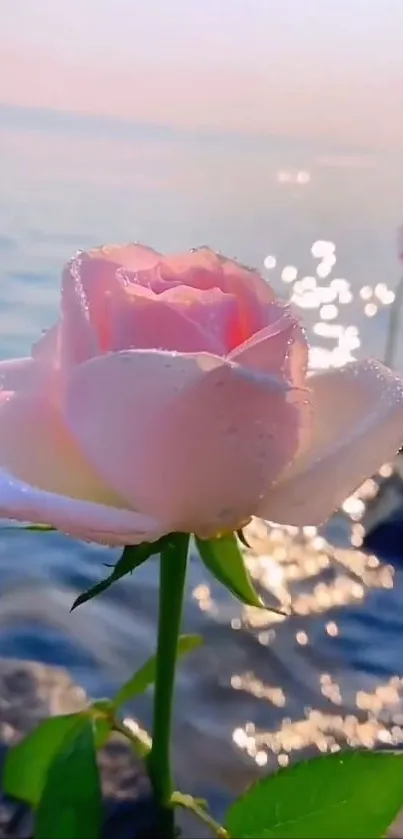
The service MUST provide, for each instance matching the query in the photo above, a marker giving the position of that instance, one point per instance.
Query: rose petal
(280, 348)
(198, 268)
(358, 416)
(82, 519)
(215, 312)
(187, 439)
(134, 257)
(141, 319)
(46, 349)
(20, 374)
(204, 269)
(253, 292)
(35, 446)
(43, 476)
(88, 281)
(181, 318)
(78, 337)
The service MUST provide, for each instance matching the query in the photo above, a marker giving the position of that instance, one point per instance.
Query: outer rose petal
(99, 277)
(19, 374)
(78, 337)
(94, 274)
(36, 448)
(188, 439)
(358, 416)
(88, 279)
(46, 349)
(82, 519)
(280, 348)
(43, 476)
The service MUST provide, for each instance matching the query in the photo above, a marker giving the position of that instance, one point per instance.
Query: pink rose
(172, 395)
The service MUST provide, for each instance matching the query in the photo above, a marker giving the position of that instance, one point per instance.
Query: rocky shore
(29, 692)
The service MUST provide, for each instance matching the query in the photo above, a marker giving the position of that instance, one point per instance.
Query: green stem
(141, 742)
(172, 584)
(192, 804)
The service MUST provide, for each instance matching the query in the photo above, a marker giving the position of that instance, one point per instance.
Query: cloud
(345, 105)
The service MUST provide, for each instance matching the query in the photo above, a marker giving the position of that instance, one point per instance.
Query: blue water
(68, 183)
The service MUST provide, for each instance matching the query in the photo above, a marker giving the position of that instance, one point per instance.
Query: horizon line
(59, 118)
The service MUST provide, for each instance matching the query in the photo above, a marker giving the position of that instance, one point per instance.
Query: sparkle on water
(307, 575)
(279, 560)
(319, 291)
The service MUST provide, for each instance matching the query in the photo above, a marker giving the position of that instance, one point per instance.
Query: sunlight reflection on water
(308, 575)
(263, 689)
(327, 294)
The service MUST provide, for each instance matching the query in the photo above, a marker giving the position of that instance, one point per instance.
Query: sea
(319, 220)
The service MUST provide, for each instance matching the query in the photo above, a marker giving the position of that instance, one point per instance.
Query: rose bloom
(173, 395)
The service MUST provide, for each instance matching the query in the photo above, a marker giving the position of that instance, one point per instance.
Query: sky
(321, 68)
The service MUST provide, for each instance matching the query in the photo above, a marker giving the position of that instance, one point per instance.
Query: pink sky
(321, 68)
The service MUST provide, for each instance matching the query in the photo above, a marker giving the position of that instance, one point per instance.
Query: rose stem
(173, 564)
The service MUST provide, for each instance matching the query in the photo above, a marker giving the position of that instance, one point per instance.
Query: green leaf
(145, 676)
(132, 557)
(102, 732)
(71, 802)
(27, 763)
(102, 711)
(354, 795)
(224, 559)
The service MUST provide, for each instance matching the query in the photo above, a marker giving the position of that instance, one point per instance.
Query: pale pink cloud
(348, 105)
